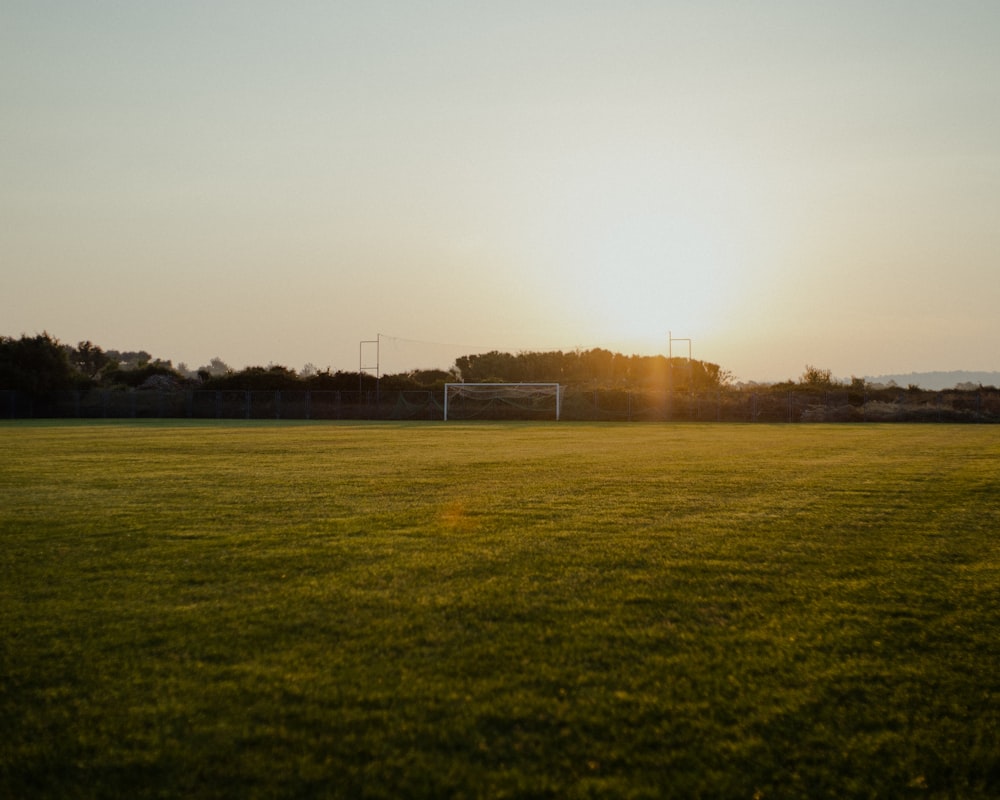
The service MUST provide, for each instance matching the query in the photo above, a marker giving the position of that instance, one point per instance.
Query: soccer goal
(501, 400)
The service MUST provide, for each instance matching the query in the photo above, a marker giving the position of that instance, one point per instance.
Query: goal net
(502, 400)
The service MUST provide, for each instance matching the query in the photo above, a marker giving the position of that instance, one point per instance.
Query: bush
(134, 378)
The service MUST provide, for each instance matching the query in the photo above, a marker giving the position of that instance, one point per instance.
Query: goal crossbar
(504, 392)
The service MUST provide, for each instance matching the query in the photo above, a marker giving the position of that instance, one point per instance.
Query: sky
(773, 183)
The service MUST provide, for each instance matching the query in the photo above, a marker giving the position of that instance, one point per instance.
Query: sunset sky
(782, 181)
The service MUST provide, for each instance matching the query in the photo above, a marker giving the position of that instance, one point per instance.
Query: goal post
(482, 399)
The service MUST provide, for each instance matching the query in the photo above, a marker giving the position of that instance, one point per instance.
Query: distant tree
(272, 377)
(430, 378)
(339, 381)
(183, 369)
(137, 376)
(130, 359)
(89, 359)
(37, 365)
(816, 378)
(594, 368)
(706, 375)
(215, 367)
(487, 367)
(726, 378)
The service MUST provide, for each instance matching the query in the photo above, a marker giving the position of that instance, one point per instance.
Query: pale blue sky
(783, 182)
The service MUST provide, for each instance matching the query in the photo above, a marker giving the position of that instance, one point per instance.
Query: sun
(645, 278)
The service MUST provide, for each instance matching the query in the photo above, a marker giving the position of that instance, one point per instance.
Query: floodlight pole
(362, 369)
(670, 356)
(670, 345)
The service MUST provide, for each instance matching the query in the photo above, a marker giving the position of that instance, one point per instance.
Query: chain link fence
(577, 404)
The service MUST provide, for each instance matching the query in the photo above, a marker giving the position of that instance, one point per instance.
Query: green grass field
(499, 610)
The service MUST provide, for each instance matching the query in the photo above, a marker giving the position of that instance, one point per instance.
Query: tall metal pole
(361, 362)
(670, 351)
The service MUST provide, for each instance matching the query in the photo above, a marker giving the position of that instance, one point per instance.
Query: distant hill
(937, 380)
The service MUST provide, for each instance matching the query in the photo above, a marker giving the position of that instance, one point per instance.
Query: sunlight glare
(648, 275)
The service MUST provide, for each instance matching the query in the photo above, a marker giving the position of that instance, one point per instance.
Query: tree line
(40, 364)
(596, 368)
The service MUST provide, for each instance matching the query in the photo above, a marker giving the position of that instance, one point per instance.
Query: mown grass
(515, 610)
